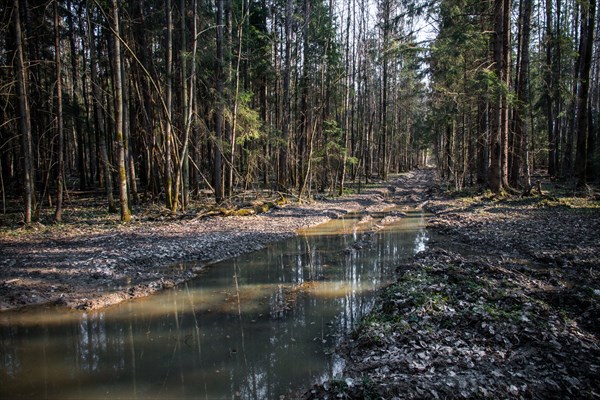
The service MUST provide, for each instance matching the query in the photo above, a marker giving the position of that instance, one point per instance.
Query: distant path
(83, 266)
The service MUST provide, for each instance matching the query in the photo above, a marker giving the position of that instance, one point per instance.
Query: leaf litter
(503, 304)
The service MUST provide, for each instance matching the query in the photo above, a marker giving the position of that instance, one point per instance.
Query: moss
(244, 212)
(580, 202)
(282, 200)
(226, 212)
(552, 202)
(264, 207)
(464, 194)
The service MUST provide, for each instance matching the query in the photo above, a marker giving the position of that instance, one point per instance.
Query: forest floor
(91, 260)
(505, 303)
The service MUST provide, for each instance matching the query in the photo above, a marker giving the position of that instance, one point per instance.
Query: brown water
(260, 326)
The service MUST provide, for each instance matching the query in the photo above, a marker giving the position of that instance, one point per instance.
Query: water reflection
(255, 327)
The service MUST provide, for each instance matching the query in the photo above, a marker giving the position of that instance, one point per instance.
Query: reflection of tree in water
(92, 342)
(421, 241)
(9, 345)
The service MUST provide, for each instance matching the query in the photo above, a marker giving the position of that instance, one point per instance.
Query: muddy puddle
(259, 326)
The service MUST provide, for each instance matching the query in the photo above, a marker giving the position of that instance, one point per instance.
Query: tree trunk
(567, 154)
(59, 119)
(550, 91)
(188, 113)
(76, 99)
(505, 74)
(118, 90)
(228, 167)
(495, 170)
(99, 120)
(482, 142)
(168, 140)
(346, 128)
(283, 173)
(384, 92)
(521, 131)
(236, 89)
(129, 159)
(218, 163)
(588, 14)
(24, 116)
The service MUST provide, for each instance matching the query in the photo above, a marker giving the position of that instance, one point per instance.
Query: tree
(499, 127)
(282, 173)
(520, 157)
(168, 139)
(99, 122)
(59, 119)
(24, 115)
(588, 17)
(118, 94)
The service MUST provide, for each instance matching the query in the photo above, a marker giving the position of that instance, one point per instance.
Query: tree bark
(168, 140)
(218, 162)
(283, 173)
(24, 116)
(570, 135)
(99, 119)
(496, 132)
(76, 99)
(588, 15)
(59, 119)
(118, 90)
(180, 176)
(505, 74)
(520, 158)
(549, 82)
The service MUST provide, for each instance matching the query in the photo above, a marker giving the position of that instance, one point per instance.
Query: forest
(170, 100)
(274, 199)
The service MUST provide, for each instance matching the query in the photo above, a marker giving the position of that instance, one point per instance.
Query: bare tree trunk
(520, 161)
(99, 120)
(236, 89)
(305, 124)
(384, 93)
(283, 173)
(76, 99)
(218, 163)
(550, 91)
(588, 14)
(59, 119)
(559, 104)
(482, 141)
(495, 170)
(24, 116)
(228, 167)
(188, 110)
(168, 140)
(569, 139)
(505, 74)
(118, 90)
(347, 115)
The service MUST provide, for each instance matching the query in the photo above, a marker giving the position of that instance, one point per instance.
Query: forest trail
(505, 302)
(94, 263)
